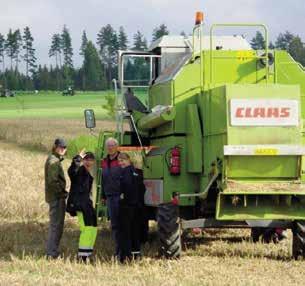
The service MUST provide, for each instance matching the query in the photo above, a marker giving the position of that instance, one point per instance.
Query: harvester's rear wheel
(169, 230)
(298, 243)
(267, 235)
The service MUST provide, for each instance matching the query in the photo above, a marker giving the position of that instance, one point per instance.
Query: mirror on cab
(90, 118)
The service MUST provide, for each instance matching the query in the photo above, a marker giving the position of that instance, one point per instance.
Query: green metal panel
(162, 94)
(290, 72)
(262, 135)
(193, 140)
(263, 167)
(184, 183)
(186, 89)
(261, 207)
(233, 67)
(154, 168)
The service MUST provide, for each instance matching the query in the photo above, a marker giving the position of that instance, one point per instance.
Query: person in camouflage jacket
(55, 196)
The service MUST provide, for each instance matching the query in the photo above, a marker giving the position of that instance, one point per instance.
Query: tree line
(99, 64)
(285, 41)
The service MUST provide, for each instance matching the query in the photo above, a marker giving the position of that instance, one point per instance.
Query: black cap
(59, 142)
(89, 155)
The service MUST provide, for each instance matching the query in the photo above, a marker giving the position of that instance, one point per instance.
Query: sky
(46, 17)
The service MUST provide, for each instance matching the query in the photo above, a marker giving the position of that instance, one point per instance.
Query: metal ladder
(99, 207)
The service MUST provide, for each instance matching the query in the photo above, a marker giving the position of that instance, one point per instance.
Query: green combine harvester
(221, 131)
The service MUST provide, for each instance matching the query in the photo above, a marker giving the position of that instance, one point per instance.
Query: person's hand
(82, 153)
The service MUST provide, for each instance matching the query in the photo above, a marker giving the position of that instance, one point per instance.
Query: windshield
(136, 71)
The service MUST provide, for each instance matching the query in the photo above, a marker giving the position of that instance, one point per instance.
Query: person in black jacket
(80, 204)
(131, 202)
(111, 187)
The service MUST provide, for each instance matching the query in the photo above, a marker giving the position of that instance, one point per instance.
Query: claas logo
(263, 112)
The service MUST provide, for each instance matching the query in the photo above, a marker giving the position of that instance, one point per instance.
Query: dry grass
(39, 134)
(214, 258)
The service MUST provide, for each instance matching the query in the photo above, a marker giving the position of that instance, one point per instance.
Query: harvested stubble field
(213, 258)
(217, 257)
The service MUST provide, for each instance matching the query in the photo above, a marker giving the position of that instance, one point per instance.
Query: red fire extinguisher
(174, 167)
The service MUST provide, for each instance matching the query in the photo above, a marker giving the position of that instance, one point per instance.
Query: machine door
(137, 70)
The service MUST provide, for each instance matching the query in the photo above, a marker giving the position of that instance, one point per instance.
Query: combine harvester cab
(221, 133)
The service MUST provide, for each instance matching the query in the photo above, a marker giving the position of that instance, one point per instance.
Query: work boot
(82, 259)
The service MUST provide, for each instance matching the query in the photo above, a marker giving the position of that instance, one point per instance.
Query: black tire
(256, 233)
(298, 242)
(267, 235)
(169, 231)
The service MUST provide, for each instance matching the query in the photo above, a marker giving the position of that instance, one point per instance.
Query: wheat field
(215, 257)
(39, 134)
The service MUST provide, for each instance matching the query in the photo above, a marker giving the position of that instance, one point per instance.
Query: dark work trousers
(113, 211)
(129, 238)
(57, 211)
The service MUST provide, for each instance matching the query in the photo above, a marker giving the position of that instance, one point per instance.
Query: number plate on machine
(266, 151)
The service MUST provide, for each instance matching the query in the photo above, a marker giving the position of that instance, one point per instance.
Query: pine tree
(258, 42)
(10, 47)
(55, 51)
(139, 42)
(271, 46)
(84, 43)
(123, 39)
(297, 50)
(92, 68)
(67, 50)
(107, 41)
(44, 78)
(29, 52)
(17, 46)
(2, 51)
(283, 41)
(160, 31)
(66, 44)
(82, 53)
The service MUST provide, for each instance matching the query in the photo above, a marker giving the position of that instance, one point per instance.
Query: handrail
(119, 98)
(213, 27)
(199, 28)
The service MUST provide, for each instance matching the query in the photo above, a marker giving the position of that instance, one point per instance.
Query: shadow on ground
(21, 239)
